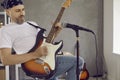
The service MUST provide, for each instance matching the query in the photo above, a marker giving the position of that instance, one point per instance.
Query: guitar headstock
(67, 3)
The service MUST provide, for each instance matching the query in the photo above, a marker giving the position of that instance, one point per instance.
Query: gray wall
(86, 13)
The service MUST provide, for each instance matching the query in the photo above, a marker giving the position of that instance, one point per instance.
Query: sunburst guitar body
(45, 65)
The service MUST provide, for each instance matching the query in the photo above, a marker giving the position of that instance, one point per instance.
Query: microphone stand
(77, 56)
(76, 29)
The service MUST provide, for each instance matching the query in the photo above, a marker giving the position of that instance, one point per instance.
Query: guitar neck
(51, 34)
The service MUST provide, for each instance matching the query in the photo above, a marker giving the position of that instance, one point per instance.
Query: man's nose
(21, 12)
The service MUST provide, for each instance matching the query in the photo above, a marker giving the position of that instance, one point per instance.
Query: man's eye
(17, 10)
(23, 9)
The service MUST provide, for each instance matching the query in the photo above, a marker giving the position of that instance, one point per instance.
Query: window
(116, 27)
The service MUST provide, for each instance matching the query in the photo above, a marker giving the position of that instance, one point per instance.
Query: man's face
(17, 14)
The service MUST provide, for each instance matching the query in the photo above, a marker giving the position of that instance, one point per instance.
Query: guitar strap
(39, 35)
(36, 26)
(41, 32)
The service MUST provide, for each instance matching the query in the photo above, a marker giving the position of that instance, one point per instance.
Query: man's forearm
(17, 59)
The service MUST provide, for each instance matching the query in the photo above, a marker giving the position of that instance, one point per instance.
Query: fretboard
(51, 34)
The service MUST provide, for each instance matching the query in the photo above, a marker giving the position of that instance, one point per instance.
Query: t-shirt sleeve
(5, 40)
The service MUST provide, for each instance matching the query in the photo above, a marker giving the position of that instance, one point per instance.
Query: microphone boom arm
(76, 27)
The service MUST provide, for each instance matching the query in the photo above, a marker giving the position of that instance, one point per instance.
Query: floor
(64, 79)
(96, 78)
(90, 79)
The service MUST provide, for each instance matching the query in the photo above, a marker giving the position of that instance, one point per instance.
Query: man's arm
(10, 59)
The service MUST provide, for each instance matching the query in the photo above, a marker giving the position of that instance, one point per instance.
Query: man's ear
(8, 12)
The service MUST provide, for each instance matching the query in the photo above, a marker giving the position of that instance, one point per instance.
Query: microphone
(76, 27)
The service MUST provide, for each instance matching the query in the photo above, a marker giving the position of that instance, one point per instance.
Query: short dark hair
(6, 4)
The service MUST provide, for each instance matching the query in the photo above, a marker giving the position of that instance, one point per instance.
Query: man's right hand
(41, 51)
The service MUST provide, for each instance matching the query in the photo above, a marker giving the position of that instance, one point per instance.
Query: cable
(96, 54)
(96, 48)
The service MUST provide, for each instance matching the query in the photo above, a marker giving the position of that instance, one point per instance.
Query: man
(21, 36)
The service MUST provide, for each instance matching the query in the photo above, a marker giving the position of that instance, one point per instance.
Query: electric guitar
(45, 66)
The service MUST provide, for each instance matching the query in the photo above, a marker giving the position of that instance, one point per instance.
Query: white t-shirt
(20, 37)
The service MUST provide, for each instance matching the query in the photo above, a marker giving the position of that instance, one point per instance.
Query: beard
(20, 19)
